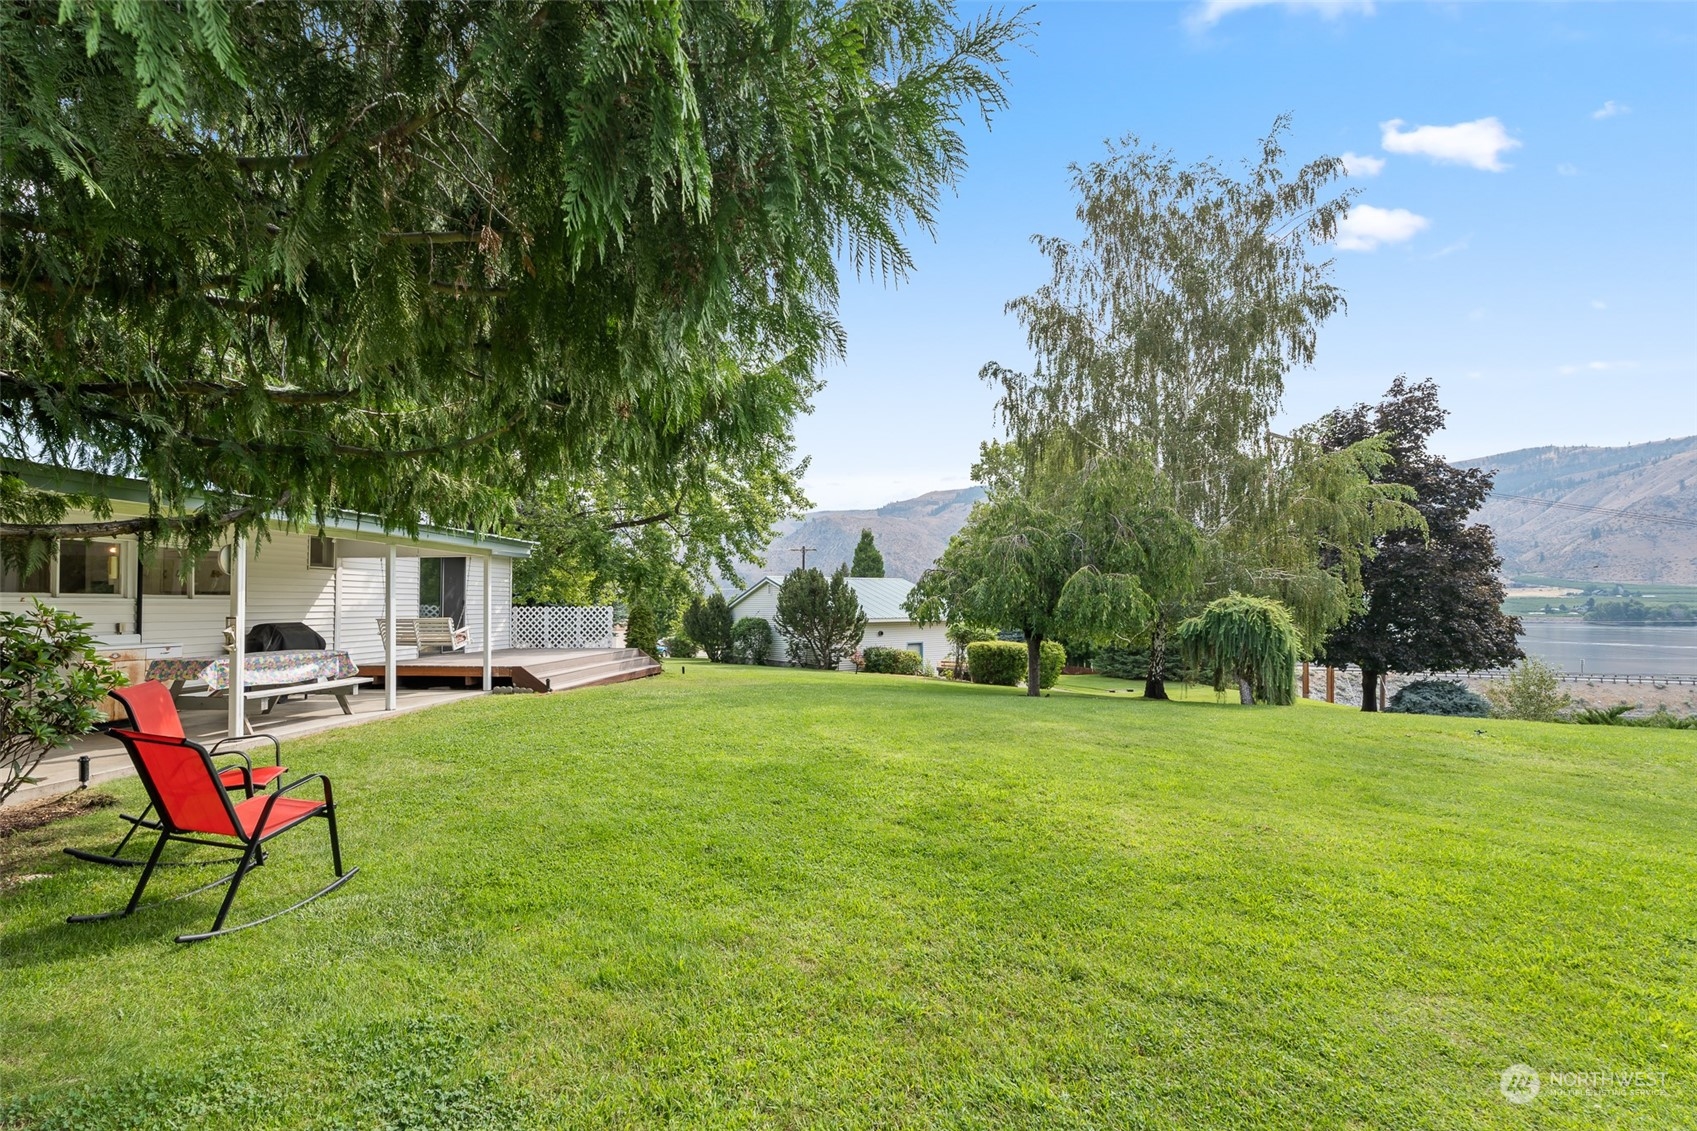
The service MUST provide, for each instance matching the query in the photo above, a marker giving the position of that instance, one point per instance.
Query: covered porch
(62, 770)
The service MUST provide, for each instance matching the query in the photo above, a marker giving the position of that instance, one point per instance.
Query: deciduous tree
(1249, 640)
(1166, 332)
(1434, 596)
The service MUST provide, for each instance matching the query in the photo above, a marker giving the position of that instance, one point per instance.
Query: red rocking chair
(152, 711)
(194, 803)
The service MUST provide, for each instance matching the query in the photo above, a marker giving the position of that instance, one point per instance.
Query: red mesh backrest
(181, 781)
(151, 709)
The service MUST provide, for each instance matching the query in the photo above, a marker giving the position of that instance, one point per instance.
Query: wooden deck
(533, 669)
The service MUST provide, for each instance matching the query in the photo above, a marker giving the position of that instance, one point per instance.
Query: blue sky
(1535, 253)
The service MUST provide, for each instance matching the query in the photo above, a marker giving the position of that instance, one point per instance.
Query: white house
(341, 582)
(887, 624)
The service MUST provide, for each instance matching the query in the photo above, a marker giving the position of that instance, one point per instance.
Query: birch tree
(1165, 334)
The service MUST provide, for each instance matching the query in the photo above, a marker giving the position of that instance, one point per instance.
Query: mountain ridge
(1535, 538)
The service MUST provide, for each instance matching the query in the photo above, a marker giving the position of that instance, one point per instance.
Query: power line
(803, 551)
(1647, 516)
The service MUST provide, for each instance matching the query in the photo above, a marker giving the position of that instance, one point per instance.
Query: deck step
(584, 671)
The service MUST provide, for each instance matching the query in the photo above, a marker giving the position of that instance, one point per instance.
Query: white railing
(562, 626)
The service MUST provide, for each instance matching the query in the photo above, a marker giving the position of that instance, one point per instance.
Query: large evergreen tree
(819, 618)
(1433, 599)
(868, 562)
(413, 257)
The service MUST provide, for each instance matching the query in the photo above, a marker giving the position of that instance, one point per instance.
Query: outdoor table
(259, 669)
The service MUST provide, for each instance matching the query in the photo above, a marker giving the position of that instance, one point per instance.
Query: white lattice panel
(562, 626)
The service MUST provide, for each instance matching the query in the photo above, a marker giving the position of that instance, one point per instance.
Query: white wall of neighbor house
(933, 641)
(342, 603)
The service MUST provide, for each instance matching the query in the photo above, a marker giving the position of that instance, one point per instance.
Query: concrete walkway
(297, 717)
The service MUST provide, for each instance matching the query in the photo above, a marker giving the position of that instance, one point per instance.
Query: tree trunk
(1155, 686)
(1245, 694)
(1369, 690)
(1034, 664)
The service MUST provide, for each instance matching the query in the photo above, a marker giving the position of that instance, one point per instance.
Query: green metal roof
(120, 489)
(880, 597)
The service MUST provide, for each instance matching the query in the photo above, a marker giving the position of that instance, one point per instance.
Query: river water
(1574, 646)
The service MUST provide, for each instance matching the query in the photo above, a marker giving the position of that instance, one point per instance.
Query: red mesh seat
(287, 811)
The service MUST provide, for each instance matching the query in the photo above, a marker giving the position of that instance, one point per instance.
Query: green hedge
(893, 661)
(1002, 663)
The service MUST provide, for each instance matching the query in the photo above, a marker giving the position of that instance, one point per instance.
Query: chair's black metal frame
(115, 860)
(253, 850)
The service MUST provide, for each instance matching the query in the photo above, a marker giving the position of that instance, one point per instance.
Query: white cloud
(1211, 12)
(1599, 304)
(1568, 169)
(1480, 143)
(1610, 109)
(1357, 165)
(1596, 367)
(1451, 248)
(1367, 227)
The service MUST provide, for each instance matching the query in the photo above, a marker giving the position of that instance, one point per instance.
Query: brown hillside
(910, 534)
(1534, 538)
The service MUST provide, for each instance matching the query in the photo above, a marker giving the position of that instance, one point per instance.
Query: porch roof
(349, 528)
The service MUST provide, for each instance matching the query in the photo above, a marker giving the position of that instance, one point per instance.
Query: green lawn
(781, 899)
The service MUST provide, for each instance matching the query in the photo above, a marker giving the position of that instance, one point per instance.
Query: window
(90, 565)
(321, 553)
(163, 573)
(211, 574)
(14, 578)
(918, 647)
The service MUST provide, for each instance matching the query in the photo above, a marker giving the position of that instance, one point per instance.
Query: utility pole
(803, 551)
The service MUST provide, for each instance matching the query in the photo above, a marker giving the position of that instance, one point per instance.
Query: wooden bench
(434, 634)
(340, 688)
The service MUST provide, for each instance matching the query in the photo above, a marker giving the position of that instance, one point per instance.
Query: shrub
(52, 685)
(1118, 662)
(1051, 659)
(893, 661)
(1616, 717)
(1440, 697)
(709, 623)
(680, 647)
(1000, 663)
(641, 630)
(752, 640)
(1531, 692)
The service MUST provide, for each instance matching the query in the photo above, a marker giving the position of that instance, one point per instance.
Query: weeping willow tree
(1251, 640)
(1164, 335)
(415, 257)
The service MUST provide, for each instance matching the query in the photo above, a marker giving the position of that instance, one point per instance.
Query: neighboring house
(887, 624)
(334, 582)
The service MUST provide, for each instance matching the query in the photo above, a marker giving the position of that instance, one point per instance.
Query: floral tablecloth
(259, 669)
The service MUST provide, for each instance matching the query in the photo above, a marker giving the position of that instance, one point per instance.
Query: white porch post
(489, 623)
(389, 630)
(237, 723)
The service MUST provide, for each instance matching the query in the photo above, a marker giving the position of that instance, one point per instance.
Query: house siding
(343, 604)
